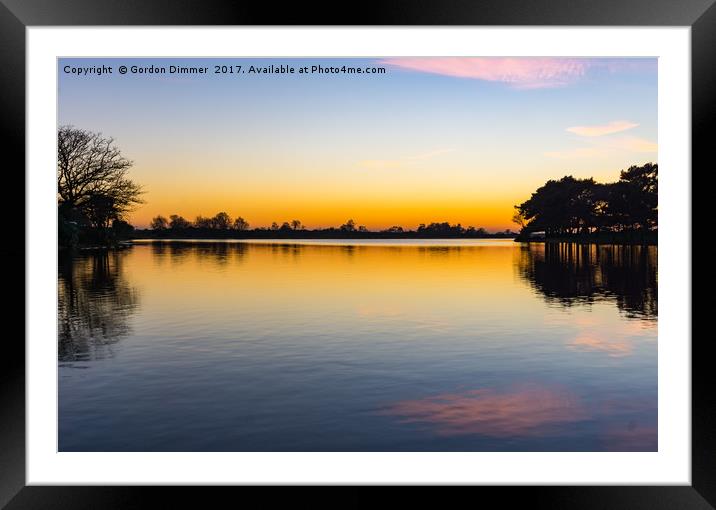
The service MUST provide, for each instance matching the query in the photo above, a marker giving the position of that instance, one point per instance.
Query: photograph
(420, 244)
(343, 254)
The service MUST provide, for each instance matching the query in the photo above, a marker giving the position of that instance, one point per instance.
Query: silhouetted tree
(177, 222)
(241, 224)
(640, 187)
(92, 176)
(519, 218)
(221, 221)
(159, 223)
(582, 206)
(566, 206)
(286, 228)
(100, 210)
(349, 226)
(121, 229)
(441, 229)
(203, 222)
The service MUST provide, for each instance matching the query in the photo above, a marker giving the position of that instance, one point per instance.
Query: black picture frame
(16, 15)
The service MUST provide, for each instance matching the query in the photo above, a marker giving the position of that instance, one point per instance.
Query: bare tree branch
(92, 176)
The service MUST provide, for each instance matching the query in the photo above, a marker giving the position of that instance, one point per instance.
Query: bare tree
(202, 222)
(349, 226)
(241, 224)
(91, 170)
(178, 222)
(221, 221)
(159, 223)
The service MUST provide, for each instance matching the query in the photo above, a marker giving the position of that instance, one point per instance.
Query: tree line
(582, 207)
(222, 221)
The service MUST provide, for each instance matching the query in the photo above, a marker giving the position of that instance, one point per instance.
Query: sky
(431, 139)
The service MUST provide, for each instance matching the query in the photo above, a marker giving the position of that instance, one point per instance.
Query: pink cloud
(521, 73)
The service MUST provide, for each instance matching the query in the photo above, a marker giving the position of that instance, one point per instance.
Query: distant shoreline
(606, 238)
(625, 238)
(131, 242)
(307, 234)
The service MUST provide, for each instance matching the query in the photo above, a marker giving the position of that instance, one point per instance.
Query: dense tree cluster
(446, 228)
(572, 206)
(221, 221)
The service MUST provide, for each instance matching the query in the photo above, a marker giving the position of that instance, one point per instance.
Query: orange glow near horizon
(445, 187)
(319, 198)
(375, 202)
(374, 214)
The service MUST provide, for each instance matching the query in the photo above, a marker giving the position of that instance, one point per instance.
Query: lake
(412, 345)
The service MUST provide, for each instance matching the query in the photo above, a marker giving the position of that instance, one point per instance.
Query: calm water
(359, 346)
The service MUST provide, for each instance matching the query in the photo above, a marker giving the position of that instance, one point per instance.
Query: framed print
(424, 249)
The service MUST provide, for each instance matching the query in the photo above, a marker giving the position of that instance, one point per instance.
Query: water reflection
(593, 342)
(292, 346)
(178, 252)
(95, 301)
(569, 273)
(534, 411)
(530, 410)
